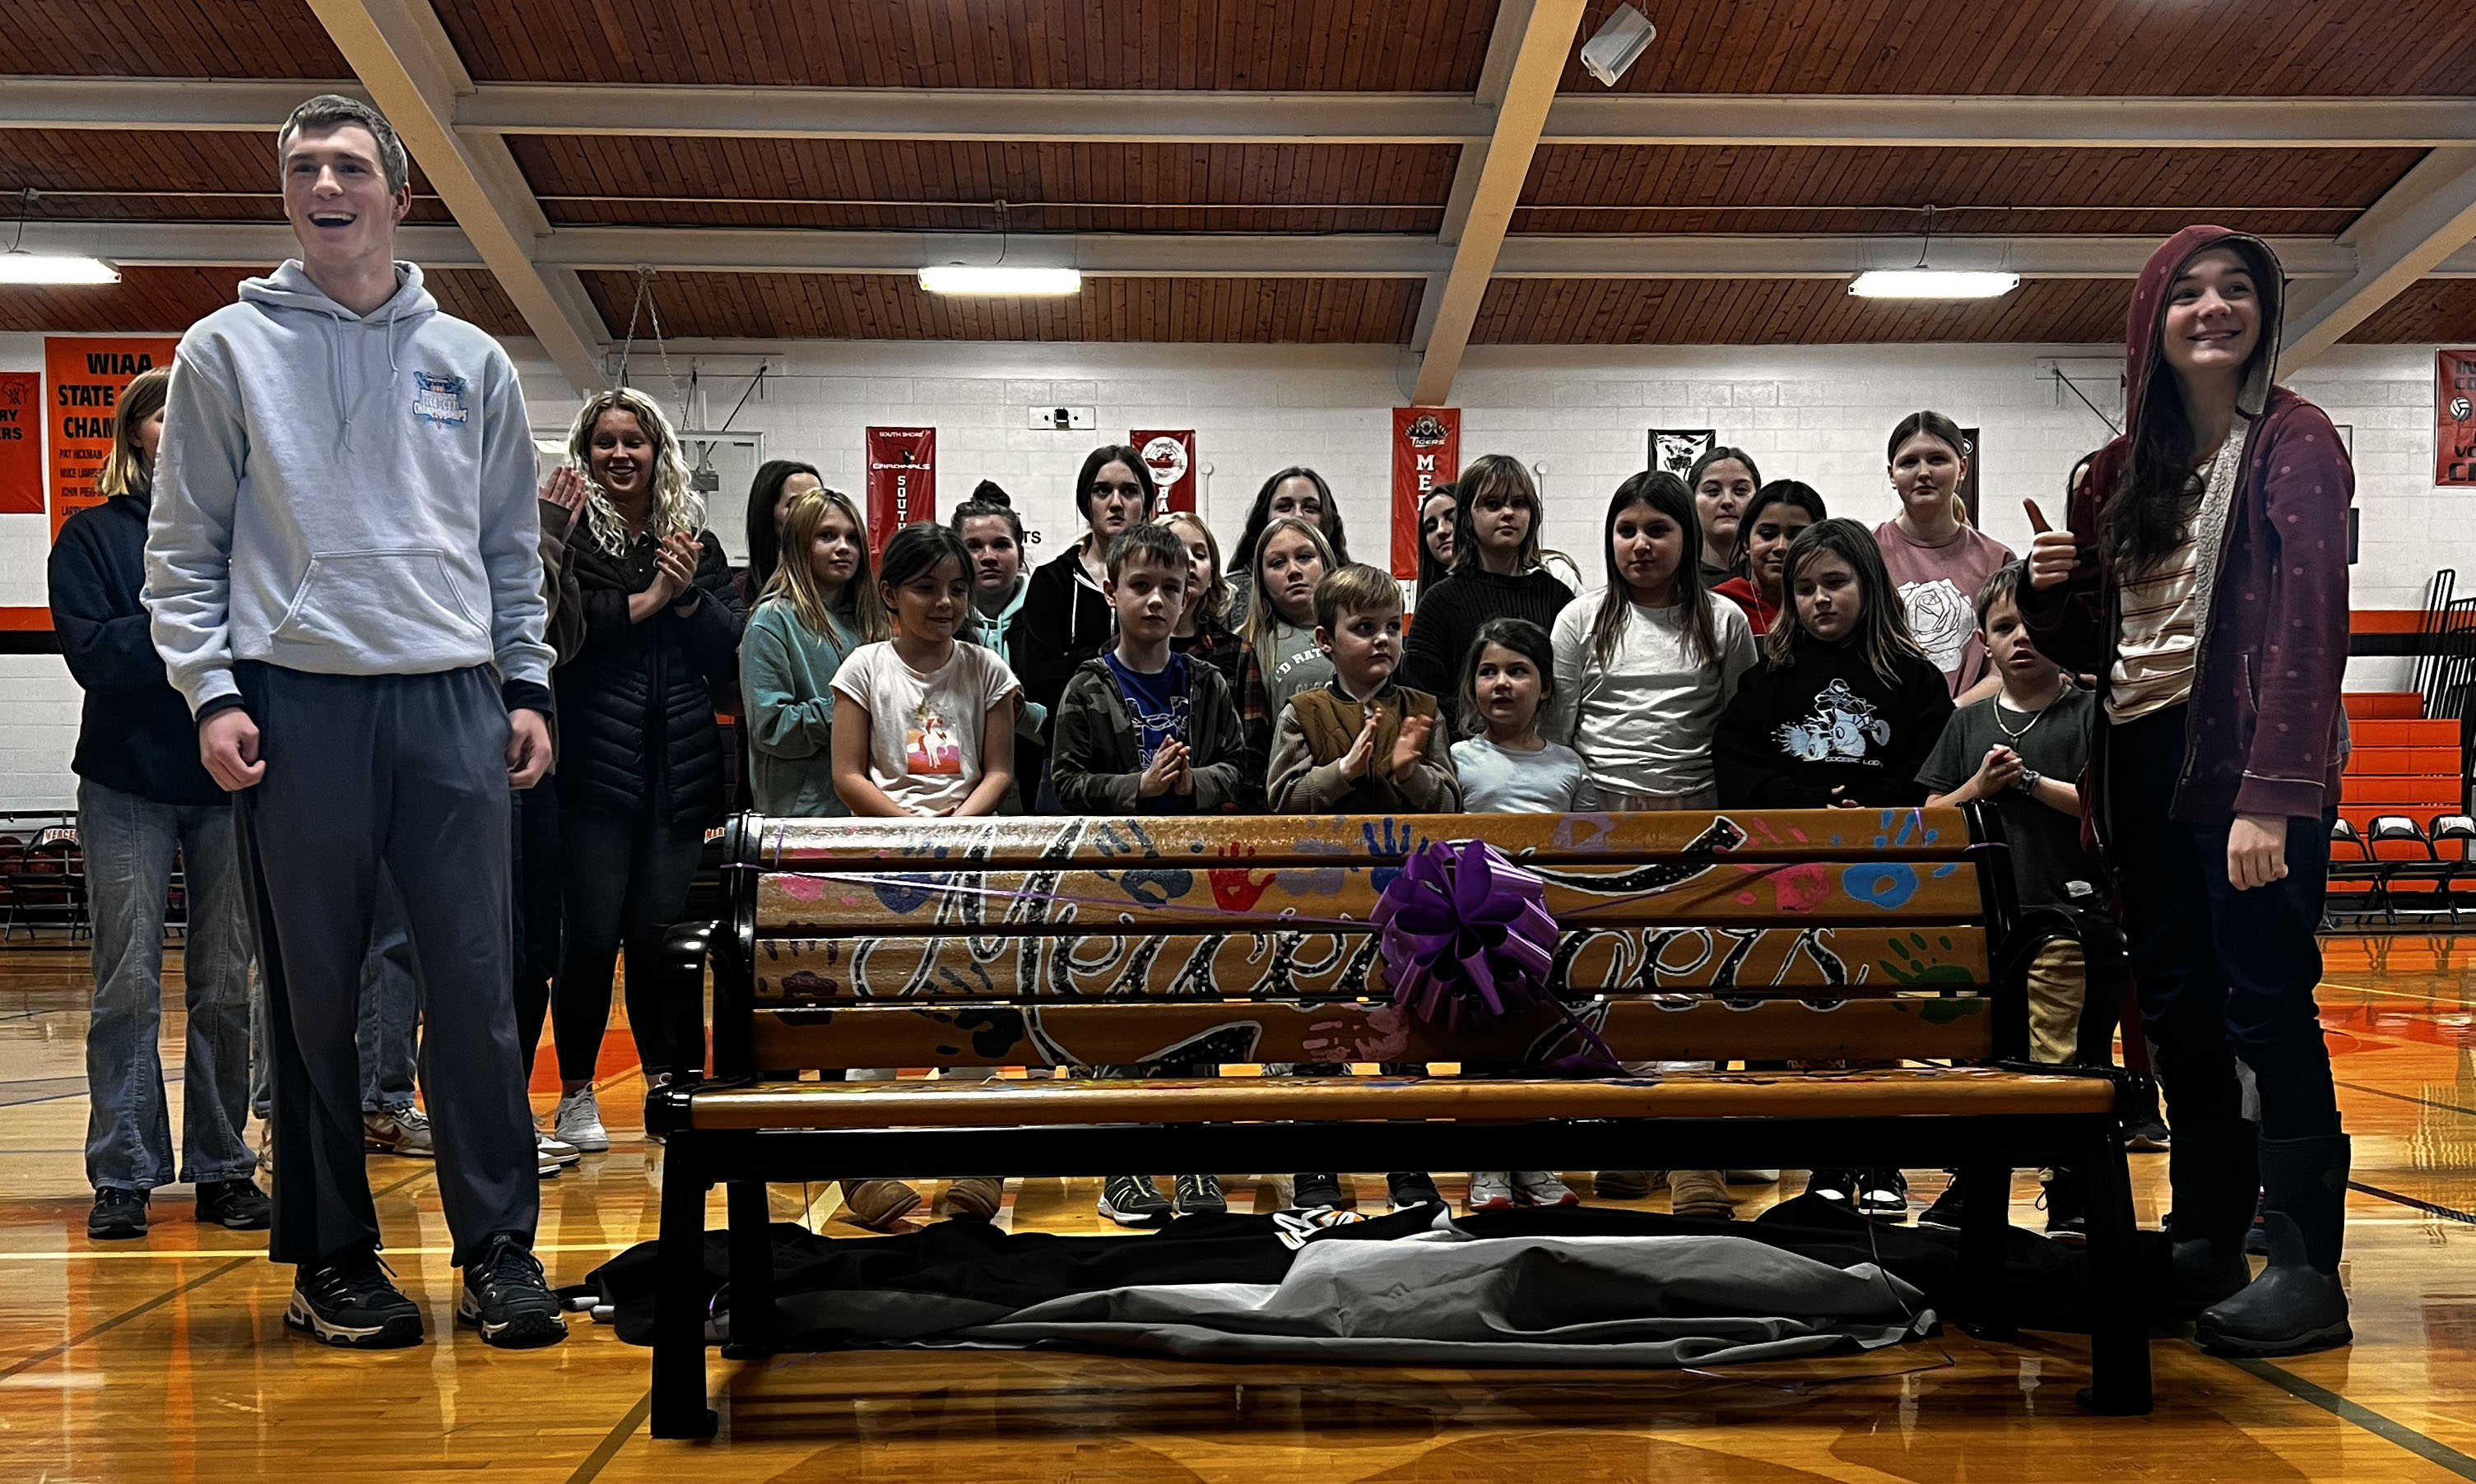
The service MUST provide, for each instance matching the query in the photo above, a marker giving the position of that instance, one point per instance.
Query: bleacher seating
(2390, 852)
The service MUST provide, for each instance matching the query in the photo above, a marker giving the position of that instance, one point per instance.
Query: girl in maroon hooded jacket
(2204, 581)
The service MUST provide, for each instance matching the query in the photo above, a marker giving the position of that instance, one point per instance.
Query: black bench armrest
(678, 988)
(2107, 970)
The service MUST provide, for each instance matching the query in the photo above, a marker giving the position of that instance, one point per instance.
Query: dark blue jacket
(136, 734)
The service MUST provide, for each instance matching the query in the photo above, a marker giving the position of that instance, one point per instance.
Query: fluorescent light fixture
(31, 269)
(1006, 282)
(1931, 284)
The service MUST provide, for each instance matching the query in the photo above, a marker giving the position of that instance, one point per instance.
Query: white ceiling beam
(1270, 117)
(2424, 221)
(402, 53)
(776, 250)
(1547, 34)
(1495, 71)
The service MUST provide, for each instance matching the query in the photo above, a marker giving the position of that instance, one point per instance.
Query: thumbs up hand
(2051, 552)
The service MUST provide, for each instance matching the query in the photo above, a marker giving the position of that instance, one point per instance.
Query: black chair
(2351, 859)
(2460, 863)
(2408, 859)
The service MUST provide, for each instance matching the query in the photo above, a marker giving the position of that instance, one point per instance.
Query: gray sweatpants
(409, 771)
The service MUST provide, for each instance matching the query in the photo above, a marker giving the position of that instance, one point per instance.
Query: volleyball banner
(1426, 452)
(21, 443)
(902, 482)
(2454, 397)
(1170, 454)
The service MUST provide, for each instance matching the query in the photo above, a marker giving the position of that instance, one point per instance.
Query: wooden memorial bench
(1883, 940)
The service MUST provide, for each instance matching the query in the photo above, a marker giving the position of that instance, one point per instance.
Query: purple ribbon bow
(1467, 933)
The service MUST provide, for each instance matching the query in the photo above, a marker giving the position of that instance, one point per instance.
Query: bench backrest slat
(1179, 1036)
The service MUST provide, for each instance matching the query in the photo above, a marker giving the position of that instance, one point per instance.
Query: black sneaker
(235, 1205)
(350, 1303)
(2147, 1135)
(1311, 1191)
(118, 1215)
(1133, 1200)
(1883, 1194)
(1837, 1186)
(2067, 1207)
(1408, 1189)
(1200, 1195)
(1946, 1212)
(505, 1298)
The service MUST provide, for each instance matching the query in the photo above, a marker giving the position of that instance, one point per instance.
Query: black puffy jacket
(636, 705)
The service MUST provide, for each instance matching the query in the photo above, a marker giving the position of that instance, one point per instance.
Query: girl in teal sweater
(819, 605)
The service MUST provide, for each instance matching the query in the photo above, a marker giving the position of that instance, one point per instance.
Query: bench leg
(752, 1273)
(679, 1310)
(1986, 1218)
(2119, 1313)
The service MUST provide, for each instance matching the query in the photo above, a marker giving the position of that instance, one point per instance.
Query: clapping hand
(674, 564)
(1412, 746)
(1362, 753)
(566, 491)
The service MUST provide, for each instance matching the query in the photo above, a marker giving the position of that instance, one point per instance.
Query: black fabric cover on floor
(952, 1276)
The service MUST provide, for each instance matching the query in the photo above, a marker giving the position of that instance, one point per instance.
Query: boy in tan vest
(1360, 744)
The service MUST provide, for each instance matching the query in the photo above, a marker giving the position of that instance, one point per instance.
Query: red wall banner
(21, 443)
(2454, 397)
(84, 375)
(1171, 452)
(902, 480)
(1426, 452)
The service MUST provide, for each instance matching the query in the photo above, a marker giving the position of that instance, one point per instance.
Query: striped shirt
(2161, 614)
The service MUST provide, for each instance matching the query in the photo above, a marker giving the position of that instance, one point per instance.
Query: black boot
(2214, 1172)
(2296, 1304)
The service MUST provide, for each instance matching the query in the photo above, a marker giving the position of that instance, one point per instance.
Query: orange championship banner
(21, 443)
(902, 482)
(2454, 413)
(83, 378)
(1426, 452)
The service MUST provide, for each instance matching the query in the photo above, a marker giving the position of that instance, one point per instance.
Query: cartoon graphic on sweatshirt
(1942, 618)
(1843, 725)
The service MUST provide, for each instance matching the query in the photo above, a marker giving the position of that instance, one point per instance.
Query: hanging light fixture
(1925, 283)
(18, 266)
(998, 281)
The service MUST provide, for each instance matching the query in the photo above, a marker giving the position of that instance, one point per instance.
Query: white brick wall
(1816, 413)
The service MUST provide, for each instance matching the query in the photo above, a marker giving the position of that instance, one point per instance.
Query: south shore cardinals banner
(1426, 452)
(83, 377)
(1171, 454)
(902, 482)
(2454, 396)
(21, 443)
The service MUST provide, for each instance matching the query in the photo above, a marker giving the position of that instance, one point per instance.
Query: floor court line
(2440, 1454)
(2446, 1107)
(611, 1444)
(200, 1282)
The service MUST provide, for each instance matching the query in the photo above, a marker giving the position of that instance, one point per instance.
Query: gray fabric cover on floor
(1444, 1298)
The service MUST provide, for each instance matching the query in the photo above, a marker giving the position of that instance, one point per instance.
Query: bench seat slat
(1199, 1033)
(1172, 896)
(1302, 840)
(1782, 958)
(1904, 1092)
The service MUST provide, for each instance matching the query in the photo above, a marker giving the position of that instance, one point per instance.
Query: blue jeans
(390, 1008)
(129, 843)
(390, 1011)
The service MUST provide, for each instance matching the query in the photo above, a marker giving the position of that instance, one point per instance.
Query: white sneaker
(577, 1122)
(1542, 1188)
(558, 1151)
(1490, 1190)
(398, 1131)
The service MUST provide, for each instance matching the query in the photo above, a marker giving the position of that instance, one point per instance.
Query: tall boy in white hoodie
(344, 583)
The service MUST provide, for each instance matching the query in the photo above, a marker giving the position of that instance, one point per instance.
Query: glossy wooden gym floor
(168, 1358)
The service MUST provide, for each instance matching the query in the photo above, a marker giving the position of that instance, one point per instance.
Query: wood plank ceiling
(158, 175)
(878, 307)
(168, 301)
(1348, 46)
(2226, 47)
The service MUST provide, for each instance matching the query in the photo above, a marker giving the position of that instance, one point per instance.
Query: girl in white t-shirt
(1509, 769)
(925, 726)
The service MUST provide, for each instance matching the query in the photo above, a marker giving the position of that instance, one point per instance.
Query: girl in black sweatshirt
(1846, 706)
